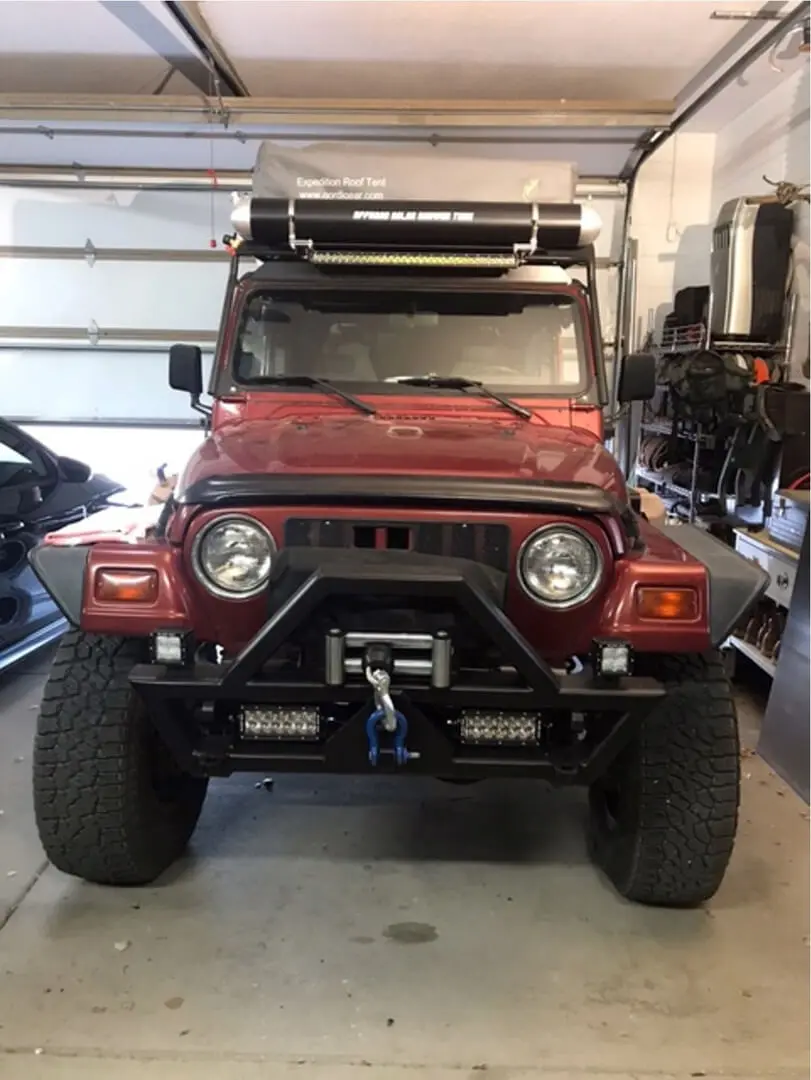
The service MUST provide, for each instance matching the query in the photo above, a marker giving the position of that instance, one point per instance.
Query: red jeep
(401, 547)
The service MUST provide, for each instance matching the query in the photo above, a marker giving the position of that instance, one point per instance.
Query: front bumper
(197, 708)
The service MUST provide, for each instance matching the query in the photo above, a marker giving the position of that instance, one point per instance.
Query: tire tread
(686, 766)
(96, 818)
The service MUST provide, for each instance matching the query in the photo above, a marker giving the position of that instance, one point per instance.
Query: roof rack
(401, 234)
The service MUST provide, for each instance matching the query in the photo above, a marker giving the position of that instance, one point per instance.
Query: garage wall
(772, 139)
(673, 213)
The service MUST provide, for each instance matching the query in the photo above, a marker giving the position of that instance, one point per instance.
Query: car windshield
(528, 342)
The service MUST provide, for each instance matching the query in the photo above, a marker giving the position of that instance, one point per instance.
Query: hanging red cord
(211, 173)
(800, 480)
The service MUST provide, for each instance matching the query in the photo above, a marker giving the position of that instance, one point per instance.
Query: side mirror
(186, 373)
(75, 472)
(637, 377)
(186, 369)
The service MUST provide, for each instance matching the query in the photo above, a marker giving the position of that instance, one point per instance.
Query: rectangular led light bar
(277, 722)
(478, 727)
(416, 258)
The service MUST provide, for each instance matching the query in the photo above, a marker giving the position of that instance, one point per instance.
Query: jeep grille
(487, 544)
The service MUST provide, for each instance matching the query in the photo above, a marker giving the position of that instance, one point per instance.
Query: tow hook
(385, 717)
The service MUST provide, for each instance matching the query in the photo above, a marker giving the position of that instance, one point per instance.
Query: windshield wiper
(321, 384)
(454, 382)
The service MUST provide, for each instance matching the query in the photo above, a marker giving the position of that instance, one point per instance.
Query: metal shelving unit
(680, 339)
(664, 484)
(753, 653)
(665, 427)
(663, 478)
(752, 346)
(685, 339)
(781, 563)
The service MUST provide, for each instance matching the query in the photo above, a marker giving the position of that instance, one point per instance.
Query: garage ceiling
(450, 50)
(461, 51)
(73, 46)
(174, 85)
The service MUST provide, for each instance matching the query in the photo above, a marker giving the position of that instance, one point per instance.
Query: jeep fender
(61, 560)
(62, 569)
(734, 583)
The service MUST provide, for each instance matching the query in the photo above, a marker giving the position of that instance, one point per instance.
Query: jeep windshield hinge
(204, 410)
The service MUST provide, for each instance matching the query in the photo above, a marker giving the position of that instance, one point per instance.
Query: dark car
(403, 546)
(39, 493)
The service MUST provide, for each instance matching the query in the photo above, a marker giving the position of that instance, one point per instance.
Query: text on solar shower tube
(413, 215)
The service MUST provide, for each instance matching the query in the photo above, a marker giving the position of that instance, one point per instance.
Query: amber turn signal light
(126, 586)
(666, 603)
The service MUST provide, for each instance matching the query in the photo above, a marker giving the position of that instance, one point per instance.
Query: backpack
(705, 385)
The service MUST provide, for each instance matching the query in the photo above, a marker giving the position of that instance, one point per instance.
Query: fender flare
(61, 569)
(734, 583)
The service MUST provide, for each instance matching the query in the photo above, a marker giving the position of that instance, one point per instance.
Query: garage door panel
(150, 220)
(92, 385)
(169, 150)
(145, 295)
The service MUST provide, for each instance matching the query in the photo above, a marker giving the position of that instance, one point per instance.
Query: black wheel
(663, 818)
(112, 805)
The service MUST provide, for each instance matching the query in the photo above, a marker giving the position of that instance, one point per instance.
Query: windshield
(528, 342)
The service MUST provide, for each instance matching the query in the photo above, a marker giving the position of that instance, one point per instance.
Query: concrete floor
(335, 930)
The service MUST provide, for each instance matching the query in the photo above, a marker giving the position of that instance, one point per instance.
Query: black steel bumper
(196, 708)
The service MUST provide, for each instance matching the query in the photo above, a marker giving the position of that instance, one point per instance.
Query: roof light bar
(460, 229)
(413, 258)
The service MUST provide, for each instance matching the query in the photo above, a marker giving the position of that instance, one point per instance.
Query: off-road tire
(111, 804)
(663, 818)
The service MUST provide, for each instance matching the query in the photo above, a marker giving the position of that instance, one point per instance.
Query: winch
(411, 655)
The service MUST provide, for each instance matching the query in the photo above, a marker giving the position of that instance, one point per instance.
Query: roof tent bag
(382, 172)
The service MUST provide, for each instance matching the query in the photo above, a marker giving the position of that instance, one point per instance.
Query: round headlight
(232, 557)
(560, 566)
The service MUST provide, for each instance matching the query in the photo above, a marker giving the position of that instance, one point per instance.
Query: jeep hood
(373, 445)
